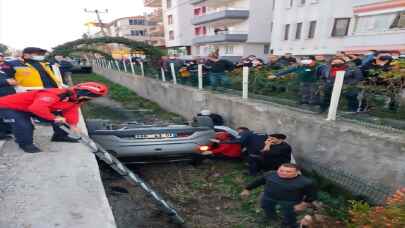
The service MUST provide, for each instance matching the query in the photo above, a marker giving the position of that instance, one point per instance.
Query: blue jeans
(287, 211)
(218, 79)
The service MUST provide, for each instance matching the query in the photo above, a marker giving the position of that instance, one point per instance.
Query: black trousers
(22, 127)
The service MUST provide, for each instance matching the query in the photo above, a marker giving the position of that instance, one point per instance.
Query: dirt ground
(200, 193)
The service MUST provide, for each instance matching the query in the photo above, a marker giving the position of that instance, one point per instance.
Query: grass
(129, 100)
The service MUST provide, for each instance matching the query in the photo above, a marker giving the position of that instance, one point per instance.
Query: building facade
(134, 28)
(155, 29)
(306, 27)
(377, 25)
(177, 16)
(236, 28)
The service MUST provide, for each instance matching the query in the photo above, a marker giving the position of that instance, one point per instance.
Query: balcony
(156, 31)
(152, 3)
(229, 36)
(226, 14)
(387, 40)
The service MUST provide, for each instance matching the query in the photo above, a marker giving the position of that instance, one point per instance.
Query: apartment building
(377, 25)
(236, 28)
(155, 30)
(134, 28)
(304, 27)
(177, 16)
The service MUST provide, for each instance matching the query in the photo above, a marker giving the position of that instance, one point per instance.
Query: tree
(3, 48)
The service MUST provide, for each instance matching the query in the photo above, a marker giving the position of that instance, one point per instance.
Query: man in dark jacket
(352, 77)
(253, 143)
(286, 188)
(309, 73)
(7, 83)
(217, 71)
(275, 152)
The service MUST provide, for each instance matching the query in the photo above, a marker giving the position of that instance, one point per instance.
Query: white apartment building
(304, 27)
(237, 28)
(134, 28)
(377, 25)
(177, 16)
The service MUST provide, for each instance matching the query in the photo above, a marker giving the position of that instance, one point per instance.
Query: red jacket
(43, 103)
(232, 150)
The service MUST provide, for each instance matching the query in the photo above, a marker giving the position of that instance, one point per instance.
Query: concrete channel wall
(374, 155)
(59, 187)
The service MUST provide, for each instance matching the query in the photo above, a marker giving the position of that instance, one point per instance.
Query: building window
(399, 21)
(171, 35)
(170, 19)
(136, 22)
(298, 31)
(302, 2)
(271, 26)
(274, 5)
(286, 31)
(203, 10)
(341, 27)
(169, 4)
(228, 50)
(291, 4)
(137, 33)
(197, 11)
(266, 49)
(197, 31)
(312, 29)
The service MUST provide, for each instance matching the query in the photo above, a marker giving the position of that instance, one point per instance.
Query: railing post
(56, 70)
(110, 65)
(132, 65)
(337, 89)
(118, 65)
(245, 82)
(163, 74)
(142, 69)
(200, 75)
(125, 65)
(173, 73)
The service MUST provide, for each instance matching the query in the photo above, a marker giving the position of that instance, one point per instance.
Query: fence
(254, 83)
(373, 192)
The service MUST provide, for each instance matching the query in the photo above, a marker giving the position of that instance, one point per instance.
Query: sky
(48, 23)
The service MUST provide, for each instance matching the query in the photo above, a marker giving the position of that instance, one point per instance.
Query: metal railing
(253, 83)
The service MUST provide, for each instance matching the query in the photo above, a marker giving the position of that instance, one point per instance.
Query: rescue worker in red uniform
(224, 147)
(43, 104)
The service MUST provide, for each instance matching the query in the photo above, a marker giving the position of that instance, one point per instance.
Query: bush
(392, 214)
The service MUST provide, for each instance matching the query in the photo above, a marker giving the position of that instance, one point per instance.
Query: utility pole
(98, 12)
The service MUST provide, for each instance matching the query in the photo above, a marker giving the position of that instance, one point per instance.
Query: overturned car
(138, 143)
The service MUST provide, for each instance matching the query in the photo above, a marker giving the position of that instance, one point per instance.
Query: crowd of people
(315, 74)
(269, 158)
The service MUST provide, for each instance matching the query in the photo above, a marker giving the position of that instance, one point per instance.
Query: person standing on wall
(217, 71)
(33, 72)
(56, 105)
(7, 83)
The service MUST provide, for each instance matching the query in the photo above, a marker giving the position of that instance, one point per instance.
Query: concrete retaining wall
(371, 154)
(59, 187)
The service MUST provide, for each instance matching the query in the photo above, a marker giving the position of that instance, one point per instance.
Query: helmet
(205, 112)
(90, 89)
